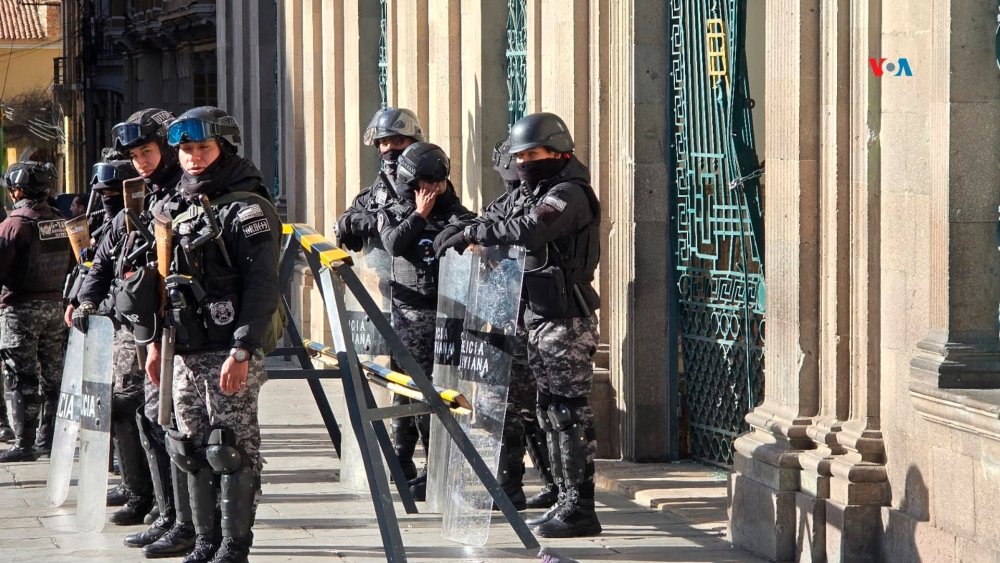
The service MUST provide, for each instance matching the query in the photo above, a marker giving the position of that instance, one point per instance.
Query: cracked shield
(95, 425)
(453, 293)
(484, 376)
(67, 422)
(373, 267)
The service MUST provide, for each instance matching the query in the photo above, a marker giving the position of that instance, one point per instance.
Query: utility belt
(553, 294)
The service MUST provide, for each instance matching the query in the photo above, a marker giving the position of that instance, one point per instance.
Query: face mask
(389, 159)
(112, 204)
(535, 171)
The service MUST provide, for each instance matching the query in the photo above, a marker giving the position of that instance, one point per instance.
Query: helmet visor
(128, 134)
(371, 131)
(191, 131)
(104, 173)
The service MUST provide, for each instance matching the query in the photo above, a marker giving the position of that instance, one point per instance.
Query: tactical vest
(557, 279)
(43, 267)
(212, 302)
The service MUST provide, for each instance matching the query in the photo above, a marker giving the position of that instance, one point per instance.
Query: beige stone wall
(940, 175)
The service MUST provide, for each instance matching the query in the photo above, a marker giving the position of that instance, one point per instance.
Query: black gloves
(81, 313)
(458, 241)
(444, 235)
(354, 228)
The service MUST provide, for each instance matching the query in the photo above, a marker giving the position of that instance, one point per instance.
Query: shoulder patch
(255, 228)
(250, 212)
(554, 201)
(53, 229)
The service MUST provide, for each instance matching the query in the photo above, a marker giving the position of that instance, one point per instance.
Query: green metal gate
(719, 244)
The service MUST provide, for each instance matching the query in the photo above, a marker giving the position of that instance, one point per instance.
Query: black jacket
(243, 293)
(558, 223)
(359, 224)
(409, 239)
(34, 253)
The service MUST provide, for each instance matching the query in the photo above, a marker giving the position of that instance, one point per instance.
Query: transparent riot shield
(484, 376)
(95, 424)
(374, 268)
(67, 422)
(454, 281)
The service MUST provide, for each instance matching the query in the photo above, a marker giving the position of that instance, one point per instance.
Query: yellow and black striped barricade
(332, 268)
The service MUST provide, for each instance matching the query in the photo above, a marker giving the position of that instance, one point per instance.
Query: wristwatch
(240, 354)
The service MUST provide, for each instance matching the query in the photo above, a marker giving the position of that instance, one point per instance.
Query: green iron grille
(383, 54)
(517, 59)
(719, 242)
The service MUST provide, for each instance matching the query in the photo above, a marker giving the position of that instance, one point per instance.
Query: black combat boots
(575, 518)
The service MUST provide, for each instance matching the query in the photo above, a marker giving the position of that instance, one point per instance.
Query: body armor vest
(42, 269)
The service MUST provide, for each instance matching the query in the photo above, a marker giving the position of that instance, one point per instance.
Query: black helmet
(203, 123)
(423, 161)
(503, 162)
(33, 178)
(540, 130)
(110, 175)
(142, 127)
(393, 121)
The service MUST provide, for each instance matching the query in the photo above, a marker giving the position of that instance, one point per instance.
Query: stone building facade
(878, 436)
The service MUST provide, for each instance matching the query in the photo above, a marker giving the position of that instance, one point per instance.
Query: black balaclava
(390, 159)
(166, 170)
(534, 171)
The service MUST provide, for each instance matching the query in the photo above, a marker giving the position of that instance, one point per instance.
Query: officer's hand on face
(426, 194)
(153, 362)
(234, 376)
(80, 315)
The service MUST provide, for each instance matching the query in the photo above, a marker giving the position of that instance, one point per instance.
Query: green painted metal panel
(719, 232)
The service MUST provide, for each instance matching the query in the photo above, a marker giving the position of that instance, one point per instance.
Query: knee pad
(222, 453)
(564, 412)
(184, 453)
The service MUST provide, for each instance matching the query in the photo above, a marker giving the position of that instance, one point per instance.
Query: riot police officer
(390, 131)
(556, 217)
(143, 137)
(521, 430)
(223, 301)
(427, 203)
(34, 260)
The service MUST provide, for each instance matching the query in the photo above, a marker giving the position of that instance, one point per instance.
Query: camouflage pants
(201, 406)
(415, 328)
(559, 353)
(33, 348)
(128, 374)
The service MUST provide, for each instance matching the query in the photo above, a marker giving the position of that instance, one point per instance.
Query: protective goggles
(129, 134)
(192, 131)
(105, 173)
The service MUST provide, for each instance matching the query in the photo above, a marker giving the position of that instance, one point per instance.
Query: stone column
(636, 202)
(961, 349)
(444, 76)
(312, 113)
(292, 169)
(409, 58)
(361, 36)
(484, 121)
(762, 503)
(332, 107)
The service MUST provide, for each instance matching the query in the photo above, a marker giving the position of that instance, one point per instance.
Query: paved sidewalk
(305, 515)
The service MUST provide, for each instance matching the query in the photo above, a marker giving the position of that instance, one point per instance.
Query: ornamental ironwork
(719, 239)
(517, 60)
(383, 53)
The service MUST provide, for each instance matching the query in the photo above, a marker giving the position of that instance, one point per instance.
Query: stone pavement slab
(306, 515)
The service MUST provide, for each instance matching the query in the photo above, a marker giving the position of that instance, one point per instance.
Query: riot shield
(95, 424)
(484, 375)
(374, 268)
(453, 293)
(67, 422)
